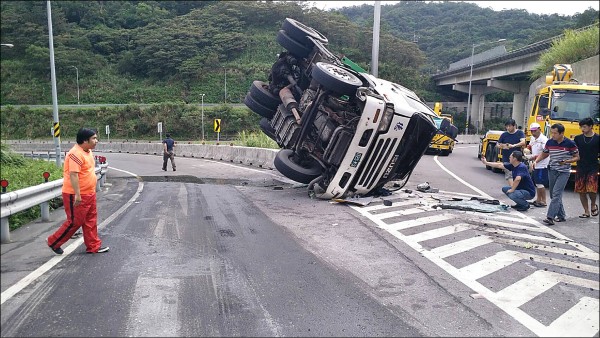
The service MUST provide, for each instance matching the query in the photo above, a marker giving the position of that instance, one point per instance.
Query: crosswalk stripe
(436, 233)
(520, 235)
(566, 252)
(513, 225)
(402, 212)
(511, 217)
(394, 204)
(561, 263)
(461, 246)
(537, 283)
(418, 221)
(491, 264)
(579, 321)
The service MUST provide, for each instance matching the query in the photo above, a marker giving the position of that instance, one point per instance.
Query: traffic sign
(159, 125)
(217, 125)
(107, 129)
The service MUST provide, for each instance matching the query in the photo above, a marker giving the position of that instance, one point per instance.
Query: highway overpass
(506, 71)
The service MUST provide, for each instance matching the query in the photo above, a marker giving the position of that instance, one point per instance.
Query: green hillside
(170, 52)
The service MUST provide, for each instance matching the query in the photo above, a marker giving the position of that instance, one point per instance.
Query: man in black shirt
(168, 152)
(586, 179)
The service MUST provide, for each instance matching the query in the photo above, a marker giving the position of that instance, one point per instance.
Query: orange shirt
(83, 163)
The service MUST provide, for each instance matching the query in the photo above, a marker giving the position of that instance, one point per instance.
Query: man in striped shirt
(562, 151)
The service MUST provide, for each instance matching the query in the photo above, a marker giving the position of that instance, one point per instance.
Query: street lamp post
(225, 97)
(471, 80)
(77, 77)
(202, 117)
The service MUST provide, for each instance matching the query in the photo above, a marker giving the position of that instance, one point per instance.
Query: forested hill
(446, 30)
(173, 51)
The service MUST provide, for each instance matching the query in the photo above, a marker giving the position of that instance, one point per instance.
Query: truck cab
(564, 100)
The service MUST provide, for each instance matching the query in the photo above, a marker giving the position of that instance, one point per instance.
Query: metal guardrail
(23, 199)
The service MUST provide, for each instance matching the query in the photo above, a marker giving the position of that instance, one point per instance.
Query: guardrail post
(45, 206)
(4, 232)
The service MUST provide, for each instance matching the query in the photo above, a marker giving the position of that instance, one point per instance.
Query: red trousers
(84, 215)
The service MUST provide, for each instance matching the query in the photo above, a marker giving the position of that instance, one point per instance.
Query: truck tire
(295, 48)
(495, 157)
(258, 108)
(260, 93)
(266, 128)
(489, 155)
(299, 31)
(286, 162)
(336, 79)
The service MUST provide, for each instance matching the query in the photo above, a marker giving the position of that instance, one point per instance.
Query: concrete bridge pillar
(521, 91)
(520, 110)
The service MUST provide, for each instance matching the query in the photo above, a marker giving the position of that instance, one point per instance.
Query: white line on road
(30, 278)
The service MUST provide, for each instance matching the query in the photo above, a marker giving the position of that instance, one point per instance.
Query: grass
(21, 172)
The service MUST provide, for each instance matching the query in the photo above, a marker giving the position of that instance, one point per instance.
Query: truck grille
(376, 163)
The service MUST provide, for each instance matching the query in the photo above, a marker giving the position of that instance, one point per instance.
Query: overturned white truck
(342, 131)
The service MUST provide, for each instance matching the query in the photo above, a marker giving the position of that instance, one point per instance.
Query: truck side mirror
(448, 129)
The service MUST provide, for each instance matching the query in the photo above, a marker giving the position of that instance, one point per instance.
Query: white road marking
(402, 212)
(537, 283)
(461, 246)
(491, 264)
(394, 204)
(437, 233)
(416, 222)
(585, 311)
(435, 158)
(155, 308)
(34, 275)
(580, 320)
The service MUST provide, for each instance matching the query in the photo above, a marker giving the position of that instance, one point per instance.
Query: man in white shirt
(540, 173)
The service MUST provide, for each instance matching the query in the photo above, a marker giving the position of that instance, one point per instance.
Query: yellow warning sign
(56, 129)
(218, 125)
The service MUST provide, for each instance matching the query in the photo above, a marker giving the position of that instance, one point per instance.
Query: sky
(537, 7)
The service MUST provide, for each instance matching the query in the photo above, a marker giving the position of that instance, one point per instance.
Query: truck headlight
(386, 119)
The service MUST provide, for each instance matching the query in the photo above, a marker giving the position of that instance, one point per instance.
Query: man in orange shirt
(79, 195)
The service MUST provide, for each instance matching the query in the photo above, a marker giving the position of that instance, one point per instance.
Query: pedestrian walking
(562, 151)
(522, 188)
(537, 143)
(168, 152)
(586, 178)
(79, 196)
(512, 139)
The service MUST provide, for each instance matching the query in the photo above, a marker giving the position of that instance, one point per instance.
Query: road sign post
(108, 132)
(159, 126)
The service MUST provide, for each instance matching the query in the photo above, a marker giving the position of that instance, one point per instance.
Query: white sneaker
(103, 249)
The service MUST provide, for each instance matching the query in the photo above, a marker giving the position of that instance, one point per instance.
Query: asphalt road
(217, 249)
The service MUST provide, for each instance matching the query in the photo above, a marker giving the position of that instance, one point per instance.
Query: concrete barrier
(258, 157)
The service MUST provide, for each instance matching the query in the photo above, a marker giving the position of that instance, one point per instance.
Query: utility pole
(375, 50)
(56, 124)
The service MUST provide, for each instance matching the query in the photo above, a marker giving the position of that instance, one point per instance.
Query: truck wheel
(266, 128)
(261, 94)
(488, 156)
(291, 166)
(299, 31)
(258, 108)
(335, 78)
(495, 159)
(294, 47)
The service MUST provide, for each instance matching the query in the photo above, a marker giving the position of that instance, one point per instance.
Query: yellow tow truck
(441, 144)
(562, 99)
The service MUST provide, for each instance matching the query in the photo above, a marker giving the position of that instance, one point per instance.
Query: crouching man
(522, 188)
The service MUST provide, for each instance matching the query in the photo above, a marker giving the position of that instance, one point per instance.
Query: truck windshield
(574, 106)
